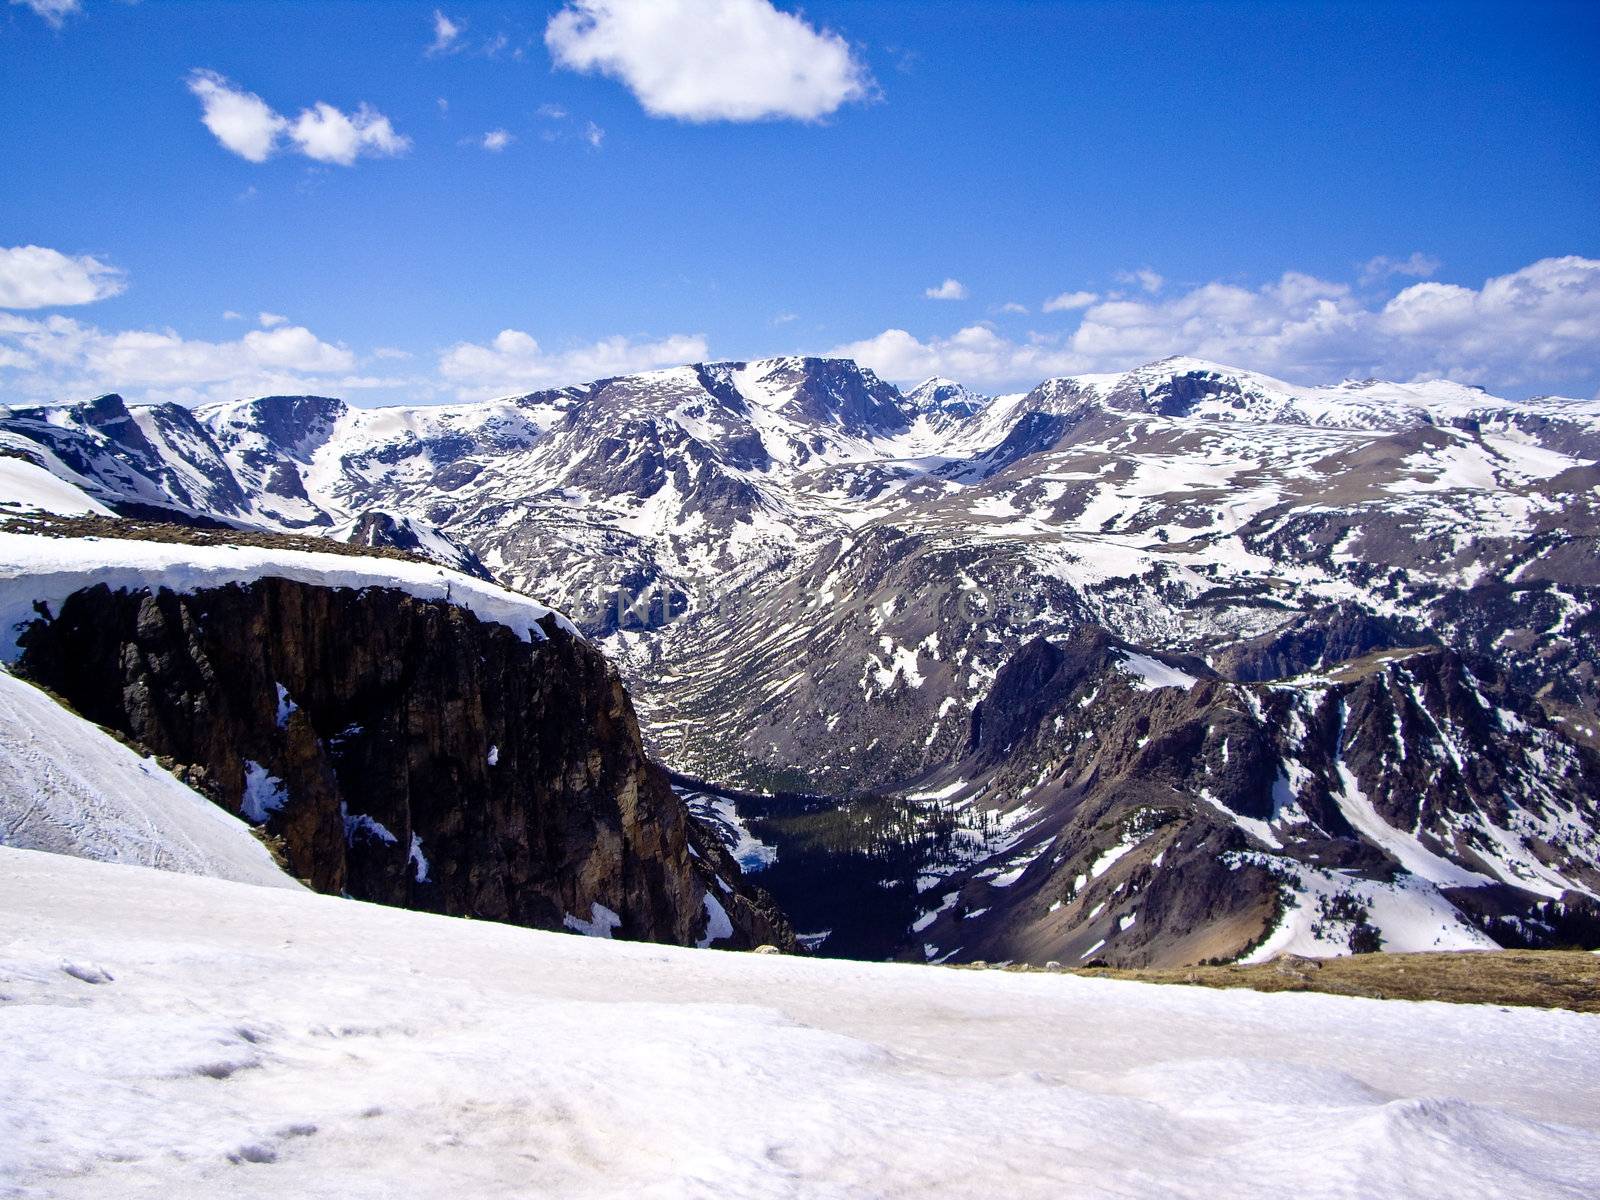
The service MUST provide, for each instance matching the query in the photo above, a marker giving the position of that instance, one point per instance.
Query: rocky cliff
(406, 752)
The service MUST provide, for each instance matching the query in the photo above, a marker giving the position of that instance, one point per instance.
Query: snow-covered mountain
(189, 1038)
(1120, 803)
(812, 581)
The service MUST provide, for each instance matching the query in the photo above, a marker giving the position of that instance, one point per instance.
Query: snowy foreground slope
(68, 787)
(184, 1037)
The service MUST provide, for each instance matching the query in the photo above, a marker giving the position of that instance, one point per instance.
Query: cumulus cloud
(1536, 329)
(1011, 306)
(1069, 301)
(271, 320)
(242, 121)
(710, 60)
(325, 134)
(515, 360)
(38, 277)
(54, 11)
(497, 140)
(446, 34)
(950, 289)
(247, 125)
(976, 355)
(57, 358)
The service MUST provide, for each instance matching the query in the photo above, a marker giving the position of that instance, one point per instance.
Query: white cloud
(247, 125)
(325, 134)
(515, 360)
(551, 112)
(62, 358)
(38, 277)
(950, 289)
(56, 358)
(976, 354)
(242, 121)
(497, 140)
(594, 135)
(446, 34)
(54, 11)
(270, 320)
(230, 315)
(1069, 301)
(1418, 266)
(1533, 330)
(710, 60)
(1145, 278)
(1011, 306)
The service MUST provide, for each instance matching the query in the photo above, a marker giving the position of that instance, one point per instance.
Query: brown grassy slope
(137, 530)
(1534, 978)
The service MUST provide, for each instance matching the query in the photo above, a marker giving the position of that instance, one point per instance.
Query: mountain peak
(938, 394)
(284, 420)
(109, 409)
(830, 391)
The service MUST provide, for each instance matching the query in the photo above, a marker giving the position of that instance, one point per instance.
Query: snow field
(67, 787)
(182, 1037)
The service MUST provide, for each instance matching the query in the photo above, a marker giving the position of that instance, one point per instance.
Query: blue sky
(1312, 190)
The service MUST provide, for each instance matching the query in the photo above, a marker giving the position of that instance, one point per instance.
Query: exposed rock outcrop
(407, 752)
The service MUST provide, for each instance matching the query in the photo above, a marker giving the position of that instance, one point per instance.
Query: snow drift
(67, 787)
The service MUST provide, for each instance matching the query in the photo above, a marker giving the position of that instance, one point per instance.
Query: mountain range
(1175, 664)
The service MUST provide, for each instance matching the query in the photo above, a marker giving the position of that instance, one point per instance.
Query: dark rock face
(404, 751)
(289, 420)
(1316, 640)
(836, 390)
(1032, 683)
(1176, 395)
(1033, 433)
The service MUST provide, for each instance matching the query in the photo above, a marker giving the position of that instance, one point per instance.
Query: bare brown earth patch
(137, 530)
(1533, 978)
